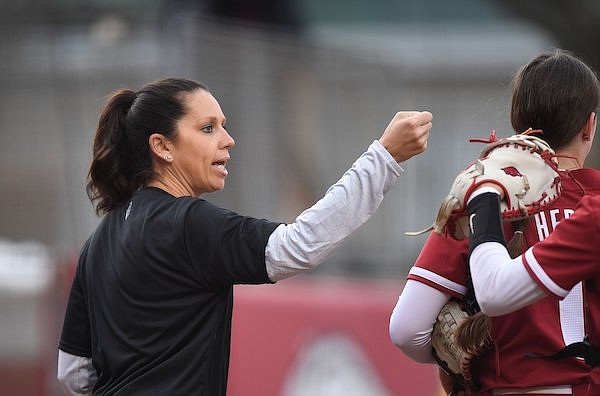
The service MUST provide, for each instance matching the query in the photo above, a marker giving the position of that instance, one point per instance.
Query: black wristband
(485, 220)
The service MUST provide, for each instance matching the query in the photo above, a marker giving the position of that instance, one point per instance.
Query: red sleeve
(442, 264)
(571, 253)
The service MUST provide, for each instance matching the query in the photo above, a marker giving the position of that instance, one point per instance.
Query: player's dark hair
(122, 162)
(554, 92)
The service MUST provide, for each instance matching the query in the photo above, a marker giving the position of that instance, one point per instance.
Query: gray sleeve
(76, 374)
(320, 230)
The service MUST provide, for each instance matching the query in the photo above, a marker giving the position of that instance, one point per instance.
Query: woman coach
(150, 307)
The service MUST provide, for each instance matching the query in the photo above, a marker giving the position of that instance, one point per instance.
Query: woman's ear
(595, 124)
(160, 146)
(589, 128)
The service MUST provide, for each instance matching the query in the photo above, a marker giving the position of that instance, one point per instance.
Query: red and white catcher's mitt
(523, 166)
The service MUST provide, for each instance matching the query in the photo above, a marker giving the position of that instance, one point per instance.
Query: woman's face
(201, 146)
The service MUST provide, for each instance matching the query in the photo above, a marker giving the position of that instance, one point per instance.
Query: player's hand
(407, 134)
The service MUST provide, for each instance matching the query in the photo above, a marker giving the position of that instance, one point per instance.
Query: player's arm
(411, 322)
(348, 204)
(319, 230)
(501, 284)
(76, 374)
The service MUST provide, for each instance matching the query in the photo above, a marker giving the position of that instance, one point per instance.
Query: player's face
(201, 148)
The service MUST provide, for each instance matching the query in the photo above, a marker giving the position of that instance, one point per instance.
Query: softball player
(559, 94)
(150, 307)
(551, 268)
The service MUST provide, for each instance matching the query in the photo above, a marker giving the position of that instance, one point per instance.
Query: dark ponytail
(122, 162)
(108, 181)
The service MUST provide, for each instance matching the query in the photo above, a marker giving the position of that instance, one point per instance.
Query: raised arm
(348, 204)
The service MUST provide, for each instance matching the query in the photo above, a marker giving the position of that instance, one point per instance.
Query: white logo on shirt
(471, 223)
(128, 210)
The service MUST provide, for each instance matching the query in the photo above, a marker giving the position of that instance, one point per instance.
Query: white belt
(538, 390)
